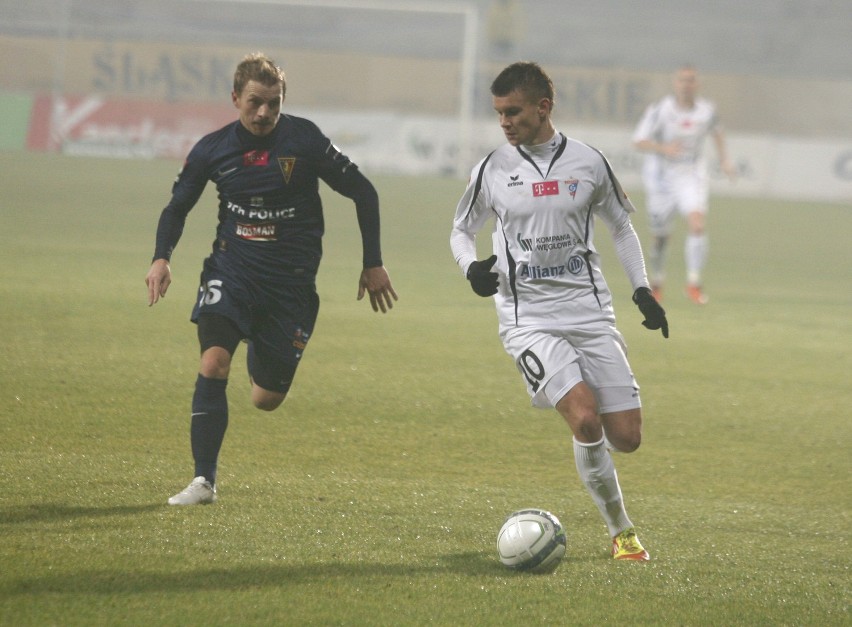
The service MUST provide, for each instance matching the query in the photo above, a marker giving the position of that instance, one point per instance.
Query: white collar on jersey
(547, 148)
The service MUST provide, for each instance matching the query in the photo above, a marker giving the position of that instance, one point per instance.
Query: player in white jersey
(672, 133)
(544, 192)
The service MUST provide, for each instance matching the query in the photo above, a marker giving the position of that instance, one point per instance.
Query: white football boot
(199, 492)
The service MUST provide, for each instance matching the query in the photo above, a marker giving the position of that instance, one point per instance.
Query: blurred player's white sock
(657, 260)
(695, 253)
(597, 472)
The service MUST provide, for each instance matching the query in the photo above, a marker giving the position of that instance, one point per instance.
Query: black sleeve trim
(478, 185)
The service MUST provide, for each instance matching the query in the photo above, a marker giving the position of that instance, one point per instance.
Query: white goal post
(467, 11)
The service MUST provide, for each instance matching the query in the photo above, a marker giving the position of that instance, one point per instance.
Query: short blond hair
(258, 67)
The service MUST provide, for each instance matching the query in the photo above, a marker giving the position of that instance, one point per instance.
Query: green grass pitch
(374, 495)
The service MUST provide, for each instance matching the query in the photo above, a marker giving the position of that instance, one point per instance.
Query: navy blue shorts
(276, 322)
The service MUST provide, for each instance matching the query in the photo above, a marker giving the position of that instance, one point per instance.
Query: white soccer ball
(531, 540)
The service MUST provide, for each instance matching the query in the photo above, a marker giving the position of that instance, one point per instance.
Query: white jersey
(665, 122)
(544, 200)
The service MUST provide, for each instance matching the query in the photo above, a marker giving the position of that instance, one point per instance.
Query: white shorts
(675, 192)
(554, 361)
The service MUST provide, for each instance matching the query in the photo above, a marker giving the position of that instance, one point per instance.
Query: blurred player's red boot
(696, 295)
(657, 292)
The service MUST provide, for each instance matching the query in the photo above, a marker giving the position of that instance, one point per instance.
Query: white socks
(695, 255)
(597, 472)
(657, 260)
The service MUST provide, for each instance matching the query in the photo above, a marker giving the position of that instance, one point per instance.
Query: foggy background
(409, 89)
(785, 38)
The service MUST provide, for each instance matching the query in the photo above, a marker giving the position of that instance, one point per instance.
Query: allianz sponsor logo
(546, 243)
(575, 265)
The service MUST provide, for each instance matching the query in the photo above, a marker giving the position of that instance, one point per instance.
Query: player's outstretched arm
(158, 279)
(376, 282)
(668, 149)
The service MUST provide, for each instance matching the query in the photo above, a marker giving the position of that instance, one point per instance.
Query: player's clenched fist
(482, 280)
(655, 315)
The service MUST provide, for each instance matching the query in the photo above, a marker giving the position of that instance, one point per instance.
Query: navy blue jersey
(270, 212)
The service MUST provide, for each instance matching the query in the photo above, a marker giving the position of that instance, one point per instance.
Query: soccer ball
(531, 540)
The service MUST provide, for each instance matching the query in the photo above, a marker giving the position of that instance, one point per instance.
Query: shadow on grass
(120, 581)
(49, 512)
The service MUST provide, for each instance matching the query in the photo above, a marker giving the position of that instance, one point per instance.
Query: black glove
(655, 316)
(482, 280)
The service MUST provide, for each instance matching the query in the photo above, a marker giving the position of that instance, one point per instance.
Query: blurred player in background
(672, 133)
(259, 282)
(556, 320)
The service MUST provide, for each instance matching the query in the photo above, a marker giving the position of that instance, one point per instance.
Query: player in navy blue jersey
(259, 282)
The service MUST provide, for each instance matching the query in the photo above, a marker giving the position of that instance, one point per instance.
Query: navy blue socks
(209, 422)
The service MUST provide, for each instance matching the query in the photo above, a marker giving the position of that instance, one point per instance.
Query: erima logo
(525, 244)
(514, 181)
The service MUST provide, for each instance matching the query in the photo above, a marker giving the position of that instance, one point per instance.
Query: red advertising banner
(95, 126)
